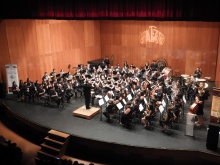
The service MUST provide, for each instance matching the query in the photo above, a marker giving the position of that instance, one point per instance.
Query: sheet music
(141, 107)
(119, 105)
(106, 98)
(184, 99)
(167, 97)
(124, 101)
(161, 108)
(145, 100)
(129, 97)
(164, 103)
(101, 102)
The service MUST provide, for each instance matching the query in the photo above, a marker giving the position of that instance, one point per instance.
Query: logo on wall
(152, 35)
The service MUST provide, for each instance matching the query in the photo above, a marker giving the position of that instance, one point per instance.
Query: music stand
(119, 106)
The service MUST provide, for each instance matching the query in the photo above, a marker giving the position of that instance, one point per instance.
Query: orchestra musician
(127, 113)
(54, 96)
(154, 66)
(45, 77)
(107, 61)
(168, 119)
(110, 108)
(198, 72)
(148, 114)
(16, 90)
(200, 112)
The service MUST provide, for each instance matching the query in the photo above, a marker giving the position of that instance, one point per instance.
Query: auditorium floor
(62, 119)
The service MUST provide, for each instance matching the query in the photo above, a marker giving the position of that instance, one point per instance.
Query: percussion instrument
(168, 72)
(193, 108)
(201, 80)
(184, 75)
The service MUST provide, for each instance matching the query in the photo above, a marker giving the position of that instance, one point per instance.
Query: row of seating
(11, 154)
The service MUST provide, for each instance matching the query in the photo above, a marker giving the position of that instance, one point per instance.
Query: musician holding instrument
(200, 112)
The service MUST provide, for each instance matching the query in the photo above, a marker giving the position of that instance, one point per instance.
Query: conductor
(87, 93)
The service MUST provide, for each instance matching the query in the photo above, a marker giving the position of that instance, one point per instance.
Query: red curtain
(205, 10)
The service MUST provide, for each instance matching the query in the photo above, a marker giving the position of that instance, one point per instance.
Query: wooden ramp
(86, 113)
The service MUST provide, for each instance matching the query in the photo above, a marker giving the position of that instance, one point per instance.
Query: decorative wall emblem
(152, 35)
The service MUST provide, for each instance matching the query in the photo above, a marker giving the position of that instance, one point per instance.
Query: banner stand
(12, 75)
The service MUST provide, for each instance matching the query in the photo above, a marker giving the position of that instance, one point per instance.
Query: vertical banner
(12, 75)
(215, 110)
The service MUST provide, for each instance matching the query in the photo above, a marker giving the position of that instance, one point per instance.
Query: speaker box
(2, 90)
(212, 138)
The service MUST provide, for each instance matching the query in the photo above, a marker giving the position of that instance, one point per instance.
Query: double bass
(193, 108)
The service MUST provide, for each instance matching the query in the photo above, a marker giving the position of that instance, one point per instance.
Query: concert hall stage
(101, 141)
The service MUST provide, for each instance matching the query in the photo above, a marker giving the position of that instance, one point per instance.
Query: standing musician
(200, 112)
(198, 72)
(107, 61)
(87, 93)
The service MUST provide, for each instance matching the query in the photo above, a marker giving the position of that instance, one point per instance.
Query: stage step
(54, 143)
(54, 146)
(44, 155)
(51, 150)
(58, 136)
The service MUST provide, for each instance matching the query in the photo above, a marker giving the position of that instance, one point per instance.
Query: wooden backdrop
(187, 45)
(37, 46)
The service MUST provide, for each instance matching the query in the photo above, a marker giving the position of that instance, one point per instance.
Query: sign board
(12, 75)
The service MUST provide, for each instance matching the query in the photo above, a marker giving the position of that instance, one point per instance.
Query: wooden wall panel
(186, 45)
(43, 38)
(38, 46)
(217, 78)
(29, 35)
(4, 51)
(56, 37)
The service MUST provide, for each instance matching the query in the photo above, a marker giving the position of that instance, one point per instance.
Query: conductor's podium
(86, 113)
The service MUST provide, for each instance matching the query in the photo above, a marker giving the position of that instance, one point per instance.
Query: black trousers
(87, 101)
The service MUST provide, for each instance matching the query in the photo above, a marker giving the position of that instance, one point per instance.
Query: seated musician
(60, 92)
(53, 74)
(54, 96)
(67, 86)
(16, 90)
(110, 108)
(147, 114)
(154, 66)
(169, 117)
(126, 114)
(45, 78)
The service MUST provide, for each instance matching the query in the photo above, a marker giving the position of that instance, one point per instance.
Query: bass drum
(168, 72)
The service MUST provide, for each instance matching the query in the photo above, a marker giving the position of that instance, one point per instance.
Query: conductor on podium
(87, 93)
